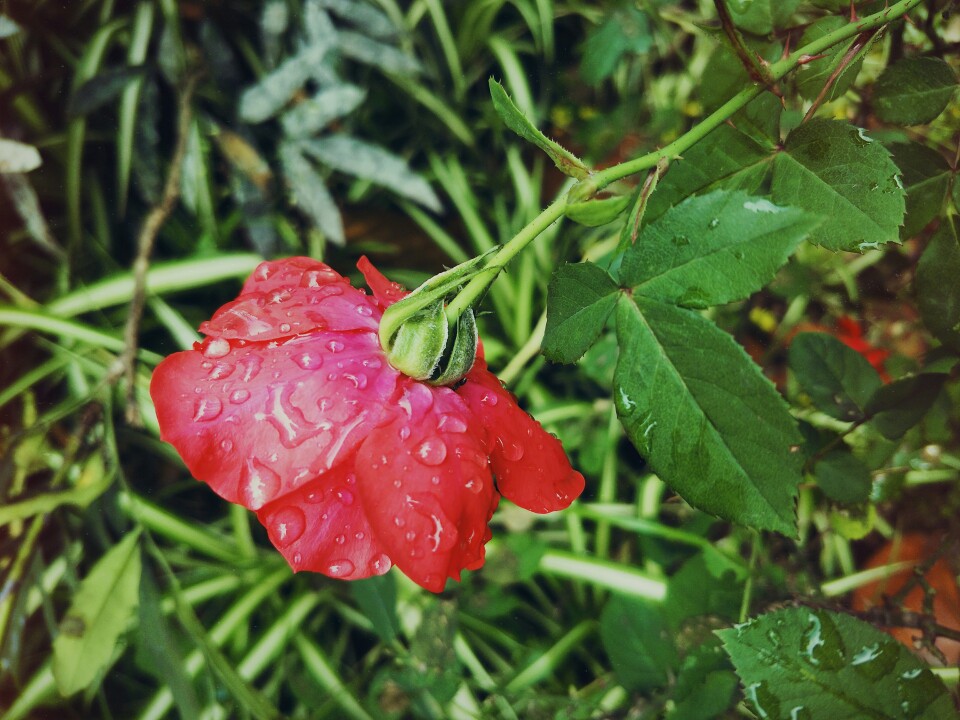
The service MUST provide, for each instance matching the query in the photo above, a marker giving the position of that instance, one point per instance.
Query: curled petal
(259, 421)
(386, 292)
(530, 466)
(321, 526)
(291, 297)
(426, 486)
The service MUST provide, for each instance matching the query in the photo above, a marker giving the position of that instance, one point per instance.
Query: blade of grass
(323, 671)
(547, 663)
(136, 55)
(602, 573)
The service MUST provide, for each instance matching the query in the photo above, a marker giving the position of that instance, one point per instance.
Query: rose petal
(530, 466)
(386, 292)
(291, 297)
(322, 527)
(257, 422)
(426, 486)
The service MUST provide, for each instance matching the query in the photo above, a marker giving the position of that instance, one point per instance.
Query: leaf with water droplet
(580, 298)
(831, 665)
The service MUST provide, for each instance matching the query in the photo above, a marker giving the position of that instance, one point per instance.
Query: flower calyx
(421, 341)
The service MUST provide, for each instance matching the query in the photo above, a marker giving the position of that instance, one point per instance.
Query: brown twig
(125, 366)
(755, 66)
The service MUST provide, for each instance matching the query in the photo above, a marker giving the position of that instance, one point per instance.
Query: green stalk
(588, 187)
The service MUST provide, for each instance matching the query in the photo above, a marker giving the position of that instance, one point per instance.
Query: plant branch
(757, 68)
(848, 57)
(125, 365)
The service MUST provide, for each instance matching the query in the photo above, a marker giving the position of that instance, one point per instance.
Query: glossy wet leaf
(579, 301)
(713, 249)
(837, 171)
(689, 398)
(926, 177)
(914, 90)
(938, 292)
(820, 665)
(838, 379)
(725, 159)
(103, 606)
(513, 118)
(637, 640)
(377, 598)
(843, 477)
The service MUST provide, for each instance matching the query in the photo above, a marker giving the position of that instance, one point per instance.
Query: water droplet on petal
(226, 445)
(358, 536)
(238, 397)
(307, 361)
(258, 484)
(359, 381)
(489, 399)
(451, 423)
(381, 564)
(314, 497)
(288, 525)
(364, 310)
(511, 451)
(474, 485)
(334, 346)
(340, 539)
(345, 497)
(404, 433)
(371, 363)
(432, 451)
(399, 521)
(251, 367)
(340, 568)
(207, 408)
(284, 327)
(220, 370)
(435, 480)
(216, 348)
(297, 558)
(410, 535)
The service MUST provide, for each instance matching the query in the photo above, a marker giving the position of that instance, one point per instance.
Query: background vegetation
(205, 136)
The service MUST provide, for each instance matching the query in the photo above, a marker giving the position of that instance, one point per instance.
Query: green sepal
(460, 354)
(419, 343)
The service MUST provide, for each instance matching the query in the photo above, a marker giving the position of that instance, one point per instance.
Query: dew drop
(380, 564)
(345, 497)
(410, 535)
(435, 480)
(489, 399)
(251, 367)
(226, 445)
(288, 525)
(713, 223)
(314, 497)
(340, 539)
(404, 433)
(399, 521)
(207, 408)
(364, 310)
(474, 485)
(297, 558)
(334, 346)
(216, 348)
(358, 536)
(306, 361)
(511, 451)
(238, 397)
(359, 381)
(284, 327)
(340, 568)
(371, 363)
(258, 484)
(220, 370)
(432, 451)
(451, 423)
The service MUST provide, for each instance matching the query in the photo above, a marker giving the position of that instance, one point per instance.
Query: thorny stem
(757, 69)
(589, 186)
(848, 57)
(126, 364)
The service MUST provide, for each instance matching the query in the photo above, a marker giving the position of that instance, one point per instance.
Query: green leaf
(594, 213)
(377, 598)
(314, 114)
(638, 642)
(579, 300)
(819, 665)
(706, 584)
(914, 91)
(761, 16)
(626, 31)
(100, 612)
(835, 170)
(938, 292)
(704, 416)
(566, 162)
(838, 379)
(310, 192)
(897, 407)
(726, 158)
(371, 162)
(98, 91)
(812, 76)
(713, 249)
(843, 477)
(926, 176)
(705, 685)
(274, 90)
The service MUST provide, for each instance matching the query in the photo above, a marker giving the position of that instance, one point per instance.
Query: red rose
(290, 408)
